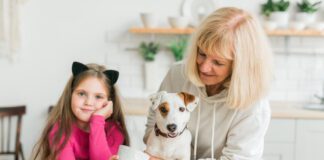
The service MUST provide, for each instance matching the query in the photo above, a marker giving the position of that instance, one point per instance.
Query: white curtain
(9, 27)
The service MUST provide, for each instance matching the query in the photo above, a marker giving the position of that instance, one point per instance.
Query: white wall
(57, 32)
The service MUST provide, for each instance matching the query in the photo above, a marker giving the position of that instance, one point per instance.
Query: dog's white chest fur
(170, 139)
(177, 148)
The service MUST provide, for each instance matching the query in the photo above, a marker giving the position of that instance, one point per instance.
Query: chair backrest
(8, 129)
(50, 108)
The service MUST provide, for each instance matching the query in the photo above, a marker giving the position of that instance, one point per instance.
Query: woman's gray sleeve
(149, 124)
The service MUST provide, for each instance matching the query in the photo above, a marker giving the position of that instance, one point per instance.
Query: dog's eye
(163, 110)
(182, 109)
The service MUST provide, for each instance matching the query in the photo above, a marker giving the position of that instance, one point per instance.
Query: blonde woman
(229, 68)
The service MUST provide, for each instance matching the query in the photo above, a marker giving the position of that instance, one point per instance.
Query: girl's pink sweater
(100, 143)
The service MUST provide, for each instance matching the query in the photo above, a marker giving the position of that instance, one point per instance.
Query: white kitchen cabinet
(278, 151)
(310, 140)
(294, 139)
(280, 140)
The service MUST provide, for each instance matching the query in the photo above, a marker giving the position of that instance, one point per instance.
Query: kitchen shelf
(279, 32)
(287, 32)
(161, 30)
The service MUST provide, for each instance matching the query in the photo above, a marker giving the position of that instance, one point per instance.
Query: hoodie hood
(220, 97)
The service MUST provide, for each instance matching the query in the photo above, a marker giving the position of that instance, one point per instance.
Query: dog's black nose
(171, 127)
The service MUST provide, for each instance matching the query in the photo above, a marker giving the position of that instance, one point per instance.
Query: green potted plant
(267, 8)
(276, 12)
(306, 11)
(149, 51)
(178, 48)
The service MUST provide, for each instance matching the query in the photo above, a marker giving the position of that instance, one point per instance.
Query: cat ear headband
(78, 68)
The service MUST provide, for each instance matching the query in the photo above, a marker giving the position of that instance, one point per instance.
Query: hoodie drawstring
(213, 131)
(197, 130)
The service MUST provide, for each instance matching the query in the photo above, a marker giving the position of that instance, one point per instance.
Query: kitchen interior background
(54, 33)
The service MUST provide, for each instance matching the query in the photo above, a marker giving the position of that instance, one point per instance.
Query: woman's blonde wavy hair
(234, 34)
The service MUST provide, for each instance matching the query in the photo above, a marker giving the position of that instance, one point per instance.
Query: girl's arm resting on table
(99, 146)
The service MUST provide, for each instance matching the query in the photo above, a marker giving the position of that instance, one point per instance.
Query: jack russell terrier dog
(170, 139)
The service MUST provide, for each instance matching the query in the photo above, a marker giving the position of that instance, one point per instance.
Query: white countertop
(284, 110)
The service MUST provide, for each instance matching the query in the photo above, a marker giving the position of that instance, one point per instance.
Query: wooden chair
(7, 131)
(50, 108)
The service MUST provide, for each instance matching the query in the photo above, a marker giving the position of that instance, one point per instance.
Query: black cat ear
(112, 76)
(78, 68)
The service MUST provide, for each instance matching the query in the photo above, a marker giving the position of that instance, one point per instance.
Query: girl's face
(212, 69)
(90, 95)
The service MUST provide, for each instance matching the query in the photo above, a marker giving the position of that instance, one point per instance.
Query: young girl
(87, 122)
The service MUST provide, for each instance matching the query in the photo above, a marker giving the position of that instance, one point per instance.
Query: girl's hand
(114, 157)
(106, 110)
(152, 157)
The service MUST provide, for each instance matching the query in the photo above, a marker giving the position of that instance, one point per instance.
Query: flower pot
(281, 18)
(270, 25)
(319, 26)
(297, 26)
(179, 22)
(306, 18)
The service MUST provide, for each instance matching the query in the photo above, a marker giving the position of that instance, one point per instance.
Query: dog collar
(159, 132)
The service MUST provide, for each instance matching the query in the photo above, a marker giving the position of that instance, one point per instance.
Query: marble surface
(284, 110)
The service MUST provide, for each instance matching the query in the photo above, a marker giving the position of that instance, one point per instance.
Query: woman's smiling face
(212, 69)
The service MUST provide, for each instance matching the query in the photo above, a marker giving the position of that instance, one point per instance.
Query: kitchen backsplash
(299, 64)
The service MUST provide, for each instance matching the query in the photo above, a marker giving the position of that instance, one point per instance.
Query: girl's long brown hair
(63, 116)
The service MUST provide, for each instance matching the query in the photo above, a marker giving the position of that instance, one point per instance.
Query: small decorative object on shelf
(178, 48)
(149, 20)
(178, 22)
(306, 11)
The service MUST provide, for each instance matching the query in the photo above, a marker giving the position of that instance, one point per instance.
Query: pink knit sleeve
(98, 146)
(103, 145)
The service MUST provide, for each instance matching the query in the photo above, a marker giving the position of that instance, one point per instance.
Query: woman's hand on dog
(106, 110)
(154, 158)
(114, 157)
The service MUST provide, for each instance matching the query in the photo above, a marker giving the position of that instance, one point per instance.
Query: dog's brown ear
(189, 100)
